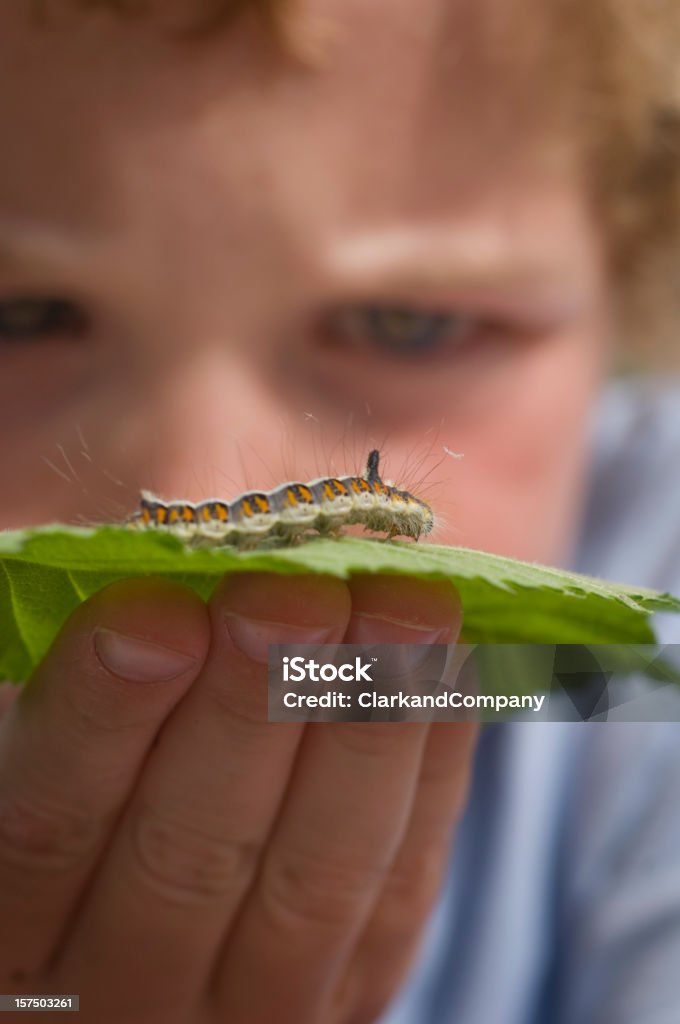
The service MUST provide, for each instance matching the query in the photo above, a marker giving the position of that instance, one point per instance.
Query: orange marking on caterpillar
(291, 512)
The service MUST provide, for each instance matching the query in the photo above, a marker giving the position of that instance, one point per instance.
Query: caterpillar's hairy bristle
(287, 514)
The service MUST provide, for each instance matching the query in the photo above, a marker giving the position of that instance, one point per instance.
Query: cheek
(519, 489)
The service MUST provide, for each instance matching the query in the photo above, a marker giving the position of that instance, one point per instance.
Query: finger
(72, 743)
(391, 938)
(343, 818)
(189, 844)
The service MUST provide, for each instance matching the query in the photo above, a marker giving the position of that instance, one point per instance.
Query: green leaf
(46, 572)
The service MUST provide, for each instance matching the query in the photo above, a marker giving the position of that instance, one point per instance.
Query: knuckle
(99, 707)
(371, 739)
(297, 888)
(47, 839)
(412, 886)
(184, 864)
(243, 707)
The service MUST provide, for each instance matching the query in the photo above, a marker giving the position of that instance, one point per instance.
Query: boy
(390, 219)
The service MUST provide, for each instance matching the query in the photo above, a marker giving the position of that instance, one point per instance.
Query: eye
(29, 317)
(400, 331)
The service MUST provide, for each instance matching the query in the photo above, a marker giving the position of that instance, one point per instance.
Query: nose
(213, 428)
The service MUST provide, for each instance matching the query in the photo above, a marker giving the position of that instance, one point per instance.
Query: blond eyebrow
(23, 246)
(483, 267)
(438, 257)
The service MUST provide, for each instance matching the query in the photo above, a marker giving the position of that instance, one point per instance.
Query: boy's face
(275, 268)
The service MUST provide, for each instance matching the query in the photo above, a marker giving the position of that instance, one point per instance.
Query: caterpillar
(288, 513)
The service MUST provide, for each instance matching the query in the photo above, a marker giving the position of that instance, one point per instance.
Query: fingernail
(253, 636)
(140, 661)
(405, 647)
(365, 628)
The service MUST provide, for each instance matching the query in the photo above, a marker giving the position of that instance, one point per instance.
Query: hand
(171, 856)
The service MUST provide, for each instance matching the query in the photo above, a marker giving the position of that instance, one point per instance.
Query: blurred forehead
(400, 106)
